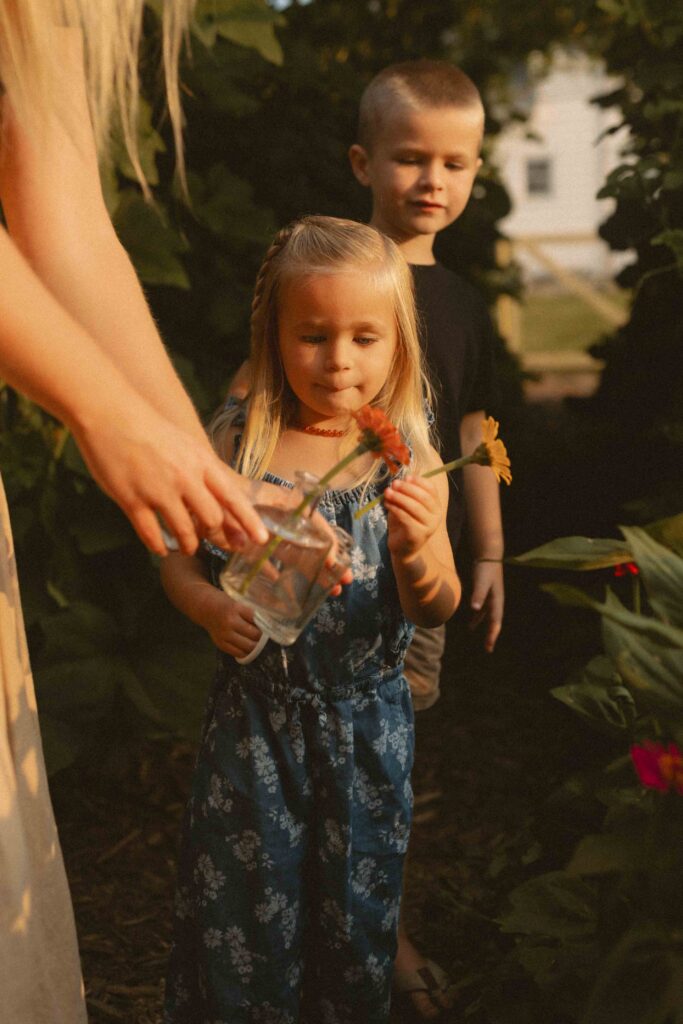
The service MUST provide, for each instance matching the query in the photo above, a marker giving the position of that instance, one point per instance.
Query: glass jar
(286, 580)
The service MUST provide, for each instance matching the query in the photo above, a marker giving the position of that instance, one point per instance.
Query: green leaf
(599, 695)
(604, 854)
(641, 983)
(140, 699)
(662, 571)
(673, 238)
(176, 678)
(61, 743)
(577, 553)
(554, 905)
(72, 459)
(150, 144)
(106, 532)
(668, 532)
(248, 23)
(612, 609)
(80, 631)
(152, 246)
(86, 686)
(225, 204)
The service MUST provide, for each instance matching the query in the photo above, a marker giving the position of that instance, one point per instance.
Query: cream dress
(40, 974)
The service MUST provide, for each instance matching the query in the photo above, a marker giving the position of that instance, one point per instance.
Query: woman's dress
(40, 975)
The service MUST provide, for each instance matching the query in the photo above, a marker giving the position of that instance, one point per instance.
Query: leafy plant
(605, 935)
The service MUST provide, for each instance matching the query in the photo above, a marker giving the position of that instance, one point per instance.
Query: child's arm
(229, 624)
(239, 385)
(428, 585)
(482, 501)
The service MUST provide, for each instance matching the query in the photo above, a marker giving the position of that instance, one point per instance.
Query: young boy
(420, 130)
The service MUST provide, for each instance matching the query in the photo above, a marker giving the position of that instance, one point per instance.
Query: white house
(554, 164)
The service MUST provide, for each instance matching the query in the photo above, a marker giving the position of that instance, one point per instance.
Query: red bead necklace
(320, 431)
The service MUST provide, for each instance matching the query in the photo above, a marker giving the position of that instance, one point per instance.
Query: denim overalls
(298, 821)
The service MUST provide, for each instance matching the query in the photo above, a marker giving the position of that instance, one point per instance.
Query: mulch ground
(490, 757)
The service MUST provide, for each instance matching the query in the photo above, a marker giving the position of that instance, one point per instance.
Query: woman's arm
(76, 335)
(141, 460)
(55, 212)
(428, 584)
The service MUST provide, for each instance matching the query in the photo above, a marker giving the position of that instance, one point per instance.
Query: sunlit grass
(554, 322)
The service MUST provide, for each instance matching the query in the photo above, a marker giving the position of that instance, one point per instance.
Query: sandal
(431, 980)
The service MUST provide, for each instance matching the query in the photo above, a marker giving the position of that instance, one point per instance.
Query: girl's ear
(359, 160)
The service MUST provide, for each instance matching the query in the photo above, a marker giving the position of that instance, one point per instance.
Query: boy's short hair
(413, 84)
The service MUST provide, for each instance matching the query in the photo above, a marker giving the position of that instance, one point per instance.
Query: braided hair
(326, 245)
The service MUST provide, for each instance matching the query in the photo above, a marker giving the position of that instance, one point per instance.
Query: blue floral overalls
(298, 821)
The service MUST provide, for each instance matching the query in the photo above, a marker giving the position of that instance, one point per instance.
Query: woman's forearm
(53, 205)
(49, 357)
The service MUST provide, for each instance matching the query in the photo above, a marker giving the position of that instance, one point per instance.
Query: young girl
(293, 846)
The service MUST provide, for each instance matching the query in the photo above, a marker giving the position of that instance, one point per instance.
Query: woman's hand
(414, 513)
(152, 468)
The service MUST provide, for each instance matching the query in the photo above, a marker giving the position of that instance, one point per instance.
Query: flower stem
(448, 467)
(307, 500)
(315, 492)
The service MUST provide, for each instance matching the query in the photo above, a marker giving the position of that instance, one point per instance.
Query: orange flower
(493, 451)
(380, 436)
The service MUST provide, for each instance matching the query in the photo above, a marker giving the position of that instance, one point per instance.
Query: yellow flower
(492, 451)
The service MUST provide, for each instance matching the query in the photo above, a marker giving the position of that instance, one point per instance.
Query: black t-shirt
(456, 334)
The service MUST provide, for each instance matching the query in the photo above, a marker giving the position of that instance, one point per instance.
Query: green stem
(448, 467)
(307, 500)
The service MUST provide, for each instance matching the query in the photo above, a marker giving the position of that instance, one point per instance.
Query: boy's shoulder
(441, 290)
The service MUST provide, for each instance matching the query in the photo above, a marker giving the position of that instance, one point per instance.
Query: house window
(538, 177)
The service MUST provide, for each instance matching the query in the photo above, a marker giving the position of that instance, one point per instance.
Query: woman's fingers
(181, 525)
(148, 529)
(230, 491)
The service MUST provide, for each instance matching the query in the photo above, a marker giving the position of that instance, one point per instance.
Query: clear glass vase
(286, 580)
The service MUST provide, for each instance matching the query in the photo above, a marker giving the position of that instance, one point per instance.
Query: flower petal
(381, 437)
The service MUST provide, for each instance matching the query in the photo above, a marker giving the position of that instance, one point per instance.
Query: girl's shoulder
(227, 426)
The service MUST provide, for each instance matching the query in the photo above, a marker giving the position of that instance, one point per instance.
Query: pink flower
(659, 767)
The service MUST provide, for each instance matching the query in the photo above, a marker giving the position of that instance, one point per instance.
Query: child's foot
(420, 980)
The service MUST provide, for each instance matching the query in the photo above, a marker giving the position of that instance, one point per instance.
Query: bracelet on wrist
(489, 559)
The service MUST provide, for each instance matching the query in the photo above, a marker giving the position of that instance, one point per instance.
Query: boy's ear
(359, 163)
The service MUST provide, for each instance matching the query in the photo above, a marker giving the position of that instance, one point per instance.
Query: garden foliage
(602, 938)
(270, 100)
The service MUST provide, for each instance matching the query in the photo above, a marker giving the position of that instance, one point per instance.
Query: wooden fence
(554, 374)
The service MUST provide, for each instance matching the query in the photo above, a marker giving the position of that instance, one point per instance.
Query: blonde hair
(328, 245)
(111, 31)
(414, 84)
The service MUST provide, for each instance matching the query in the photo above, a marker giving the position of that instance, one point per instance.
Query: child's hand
(488, 595)
(231, 626)
(414, 513)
